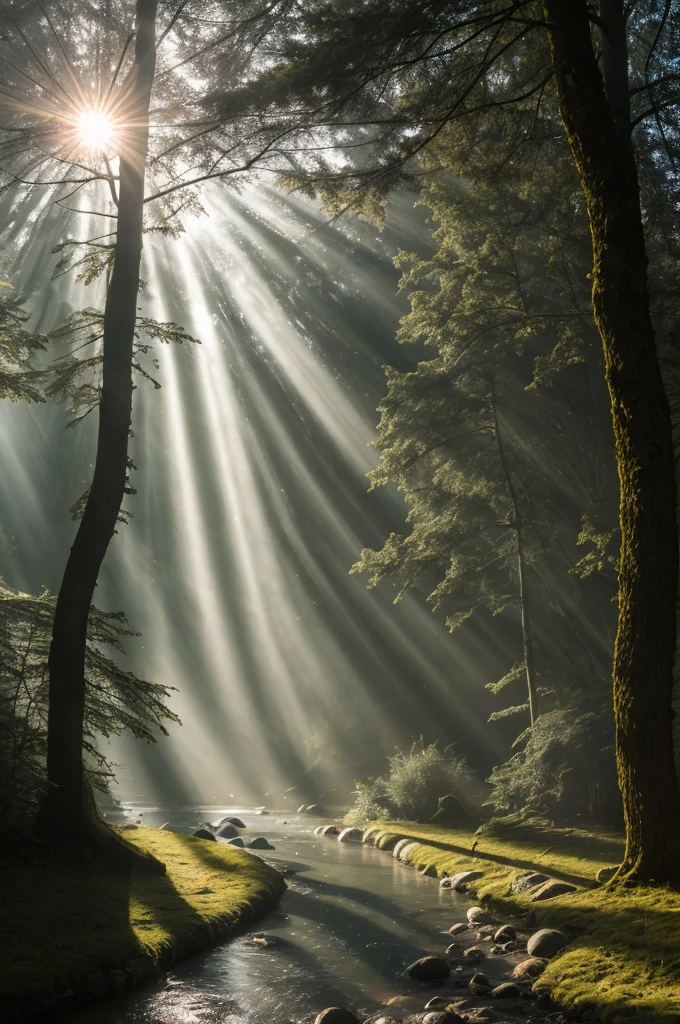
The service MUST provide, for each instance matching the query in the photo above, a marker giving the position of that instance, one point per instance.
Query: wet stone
(508, 990)
(336, 1015)
(429, 968)
(506, 933)
(457, 929)
(480, 985)
(546, 943)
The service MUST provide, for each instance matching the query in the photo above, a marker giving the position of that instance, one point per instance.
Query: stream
(350, 921)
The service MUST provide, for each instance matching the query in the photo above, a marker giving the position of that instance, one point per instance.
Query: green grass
(624, 959)
(70, 930)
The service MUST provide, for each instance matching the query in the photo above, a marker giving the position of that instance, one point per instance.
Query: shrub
(413, 785)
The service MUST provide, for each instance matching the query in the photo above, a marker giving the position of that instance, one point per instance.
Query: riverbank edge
(622, 961)
(210, 892)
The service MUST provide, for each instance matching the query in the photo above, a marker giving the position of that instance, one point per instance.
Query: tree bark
(527, 642)
(594, 106)
(69, 812)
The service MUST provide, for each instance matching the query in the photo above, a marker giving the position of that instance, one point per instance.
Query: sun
(96, 130)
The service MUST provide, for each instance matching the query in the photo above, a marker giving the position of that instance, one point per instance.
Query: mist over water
(252, 505)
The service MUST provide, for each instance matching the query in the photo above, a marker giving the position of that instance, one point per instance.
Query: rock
(231, 821)
(477, 915)
(399, 846)
(505, 934)
(263, 940)
(259, 843)
(335, 1015)
(350, 835)
(463, 878)
(429, 968)
(453, 949)
(319, 829)
(445, 883)
(261, 810)
(408, 1003)
(204, 833)
(406, 850)
(530, 881)
(330, 830)
(316, 810)
(603, 875)
(510, 947)
(429, 871)
(479, 985)
(443, 1017)
(174, 826)
(227, 831)
(529, 970)
(553, 887)
(388, 841)
(237, 841)
(301, 810)
(508, 990)
(449, 809)
(487, 929)
(457, 929)
(546, 942)
(437, 1003)
(474, 955)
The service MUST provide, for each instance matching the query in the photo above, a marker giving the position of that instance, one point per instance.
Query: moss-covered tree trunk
(595, 109)
(69, 812)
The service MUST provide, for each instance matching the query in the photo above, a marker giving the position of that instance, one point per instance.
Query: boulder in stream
(506, 933)
(477, 915)
(463, 879)
(529, 969)
(330, 830)
(458, 929)
(259, 843)
(227, 831)
(480, 985)
(231, 821)
(237, 841)
(508, 990)
(546, 942)
(204, 833)
(336, 1015)
(429, 968)
(351, 835)
(443, 1017)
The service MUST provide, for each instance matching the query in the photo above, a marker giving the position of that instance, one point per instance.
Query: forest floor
(71, 931)
(623, 959)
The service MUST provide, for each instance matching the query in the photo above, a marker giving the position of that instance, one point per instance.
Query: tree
(115, 700)
(411, 70)
(63, 133)
(498, 441)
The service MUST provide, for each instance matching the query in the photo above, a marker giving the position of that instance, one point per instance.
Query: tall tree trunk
(527, 642)
(595, 112)
(69, 810)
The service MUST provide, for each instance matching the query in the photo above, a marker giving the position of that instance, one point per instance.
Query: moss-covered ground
(624, 958)
(72, 931)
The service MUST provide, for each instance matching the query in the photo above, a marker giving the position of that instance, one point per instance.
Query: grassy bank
(624, 959)
(71, 931)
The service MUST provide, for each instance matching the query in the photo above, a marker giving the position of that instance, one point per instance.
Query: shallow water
(350, 921)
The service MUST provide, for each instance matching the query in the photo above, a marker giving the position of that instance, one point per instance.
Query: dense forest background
(497, 488)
